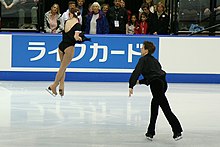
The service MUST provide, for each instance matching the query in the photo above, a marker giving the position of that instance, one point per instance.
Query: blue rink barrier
(107, 58)
(105, 77)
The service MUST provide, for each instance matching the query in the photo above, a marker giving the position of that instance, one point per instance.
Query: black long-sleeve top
(150, 69)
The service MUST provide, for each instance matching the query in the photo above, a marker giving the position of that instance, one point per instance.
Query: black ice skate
(50, 91)
(61, 92)
(177, 136)
(149, 136)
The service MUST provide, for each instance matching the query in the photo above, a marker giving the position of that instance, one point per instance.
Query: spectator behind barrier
(52, 20)
(105, 8)
(117, 18)
(24, 10)
(66, 15)
(123, 5)
(132, 26)
(96, 21)
(150, 3)
(162, 20)
(151, 18)
(144, 27)
(83, 11)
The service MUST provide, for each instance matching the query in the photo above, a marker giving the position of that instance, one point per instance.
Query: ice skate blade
(50, 92)
(178, 138)
(150, 139)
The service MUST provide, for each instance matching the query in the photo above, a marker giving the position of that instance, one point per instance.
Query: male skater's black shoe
(177, 136)
(149, 136)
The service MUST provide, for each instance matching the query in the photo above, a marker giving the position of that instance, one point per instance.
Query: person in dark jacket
(96, 21)
(154, 76)
(150, 18)
(162, 20)
(117, 18)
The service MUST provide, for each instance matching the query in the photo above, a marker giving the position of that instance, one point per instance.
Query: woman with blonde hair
(96, 21)
(52, 20)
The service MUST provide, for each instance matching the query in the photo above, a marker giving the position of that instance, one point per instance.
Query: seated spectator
(67, 15)
(4, 4)
(207, 11)
(96, 21)
(162, 20)
(52, 20)
(132, 26)
(26, 9)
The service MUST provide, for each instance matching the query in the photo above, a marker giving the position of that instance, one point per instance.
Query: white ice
(102, 115)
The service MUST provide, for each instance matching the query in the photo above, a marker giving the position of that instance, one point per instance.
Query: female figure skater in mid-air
(71, 35)
(154, 76)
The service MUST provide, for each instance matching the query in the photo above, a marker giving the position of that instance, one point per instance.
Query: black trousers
(158, 88)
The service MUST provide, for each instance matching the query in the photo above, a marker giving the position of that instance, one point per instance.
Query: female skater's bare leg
(61, 84)
(67, 57)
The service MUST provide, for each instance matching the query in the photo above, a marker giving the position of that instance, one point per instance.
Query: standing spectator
(83, 11)
(105, 8)
(96, 21)
(117, 18)
(132, 26)
(123, 5)
(151, 18)
(52, 20)
(143, 25)
(150, 3)
(162, 20)
(67, 15)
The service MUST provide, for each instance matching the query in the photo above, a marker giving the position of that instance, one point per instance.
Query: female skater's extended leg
(61, 84)
(67, 57)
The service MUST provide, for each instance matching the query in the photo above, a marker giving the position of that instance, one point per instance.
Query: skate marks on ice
(102, 114)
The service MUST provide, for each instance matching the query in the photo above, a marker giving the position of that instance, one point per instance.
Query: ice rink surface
(102, 115)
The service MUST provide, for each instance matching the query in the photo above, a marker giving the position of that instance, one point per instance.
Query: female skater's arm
(77, 37)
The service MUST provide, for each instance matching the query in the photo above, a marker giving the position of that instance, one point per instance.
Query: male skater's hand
(130, 92)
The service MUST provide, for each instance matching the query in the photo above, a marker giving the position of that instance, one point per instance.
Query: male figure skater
(154, 76)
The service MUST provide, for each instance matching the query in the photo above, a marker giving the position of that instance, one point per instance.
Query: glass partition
(19, 14)
(192, 12)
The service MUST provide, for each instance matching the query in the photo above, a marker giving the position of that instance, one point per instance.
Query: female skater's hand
(130, 92)
(77, 37)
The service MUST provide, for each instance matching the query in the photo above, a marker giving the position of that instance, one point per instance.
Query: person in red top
(143, 25)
